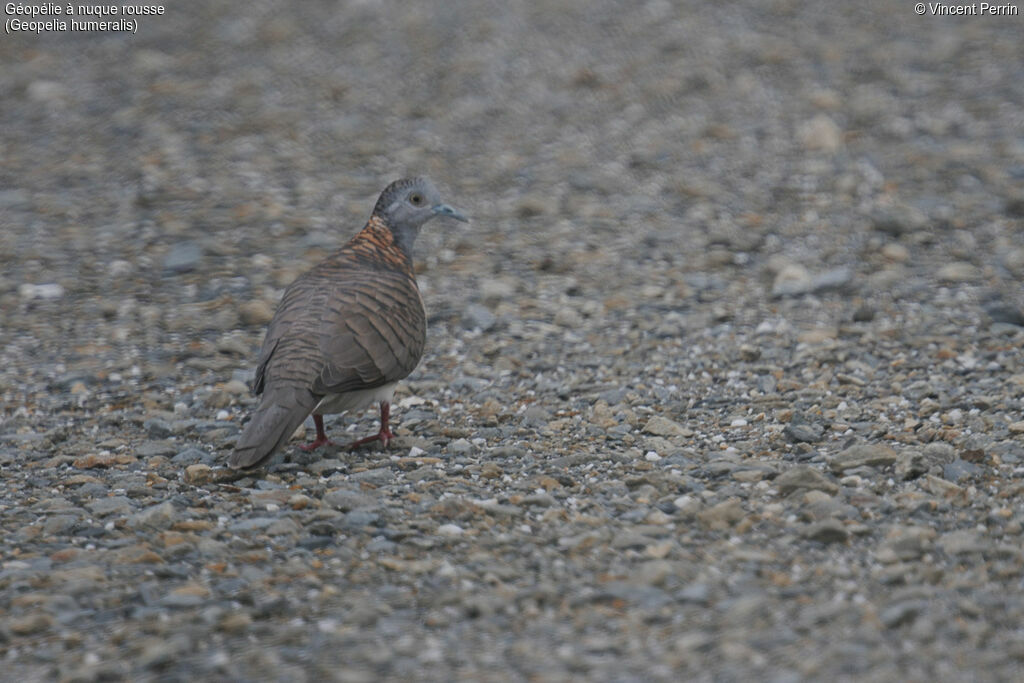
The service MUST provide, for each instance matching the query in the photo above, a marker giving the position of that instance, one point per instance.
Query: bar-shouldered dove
(347, 331)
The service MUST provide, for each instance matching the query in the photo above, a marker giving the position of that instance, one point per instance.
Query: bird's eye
(416, 199)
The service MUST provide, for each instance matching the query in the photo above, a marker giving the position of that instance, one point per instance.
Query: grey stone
(183, 257)
(154, 517)
(696, 593)
(105, 507)
(346, 499)
(804, 477)
(659, 425)
(149, 449)
(958, 470)
(863, 455)
(801, 430)
(361, 517)
(826, 531)
(251, 524)
(478, 317)
(460, 447)
(901, 614)
(190, 456)
(157, 428)
(377, 476)
(59, 524)
(963, 542)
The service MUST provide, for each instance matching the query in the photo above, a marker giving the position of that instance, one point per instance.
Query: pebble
(863, 455)
(804, 477)
(183, 257)
(49, 290)
(112, 505)
(801, 431)
(958, 272)
(663, 426)
(255, 313)
(826, 531)
(478, 317)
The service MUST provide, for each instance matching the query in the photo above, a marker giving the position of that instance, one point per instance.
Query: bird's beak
(445, 210)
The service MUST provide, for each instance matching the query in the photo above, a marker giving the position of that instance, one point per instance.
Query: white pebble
(223, 414)
(651, 456)
(416, 451)
(47, 291)
(450, 530)
(738, 422)
(120, 268)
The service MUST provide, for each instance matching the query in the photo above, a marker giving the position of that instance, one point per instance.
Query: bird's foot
(315, 444)
(384, 436)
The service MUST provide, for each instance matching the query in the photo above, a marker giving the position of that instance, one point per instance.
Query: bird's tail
(275, 420)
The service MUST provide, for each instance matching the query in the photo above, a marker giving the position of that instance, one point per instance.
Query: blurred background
(688, 148)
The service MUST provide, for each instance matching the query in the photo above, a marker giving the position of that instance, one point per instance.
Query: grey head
(406, 204)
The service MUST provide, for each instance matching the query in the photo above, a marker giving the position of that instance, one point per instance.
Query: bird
(346, 331)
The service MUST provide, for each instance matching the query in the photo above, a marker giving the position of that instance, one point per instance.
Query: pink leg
(321, 436)
(384, 435)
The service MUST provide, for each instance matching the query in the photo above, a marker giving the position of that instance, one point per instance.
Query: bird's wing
(372, 333)
(290, 342)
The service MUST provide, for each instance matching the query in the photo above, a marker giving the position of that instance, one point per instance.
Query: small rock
(864, 314)
(198, 474)
(910, 464)
(960, 469)
(958, 271)
(29, 624)
(695, 593)
(901, 613)
(899, 220)
(820, 133)
(110, 506)
(255, 313)
(155, 517)
(360, 517)
(46, 91)
(804, 477)
(802, 430)
(723, 515)
(190, 595)
(183, 257)
(826, 531)
(235, 622)
(252, 524)
(863, 455)
(962, 542)
(191, 456)
(905, 543)
(347, 499)
(792, 280)
(378, 476)
(478, 317)
(157, 428)
(662, 426)
(45, 291)
(896, 252)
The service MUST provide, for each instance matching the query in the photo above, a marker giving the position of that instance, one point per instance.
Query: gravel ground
(724, 380)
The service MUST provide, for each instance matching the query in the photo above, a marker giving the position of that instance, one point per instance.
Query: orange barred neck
(376, 243)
